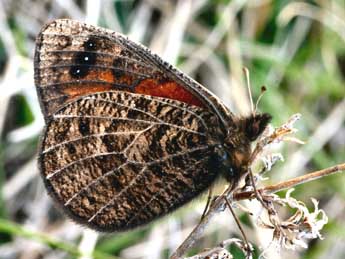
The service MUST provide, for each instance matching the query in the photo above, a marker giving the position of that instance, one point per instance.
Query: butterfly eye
(231, 173)
(222, 155)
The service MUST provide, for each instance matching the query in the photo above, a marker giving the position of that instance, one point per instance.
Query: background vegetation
(295, 49)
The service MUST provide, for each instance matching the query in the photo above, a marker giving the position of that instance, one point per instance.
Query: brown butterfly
(128, 137)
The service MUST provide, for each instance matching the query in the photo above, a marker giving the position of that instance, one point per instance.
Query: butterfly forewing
(73, 59)
(116, 160)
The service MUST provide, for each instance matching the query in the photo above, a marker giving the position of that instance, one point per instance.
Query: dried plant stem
(292, 182)
(220, 202)
(197, 232)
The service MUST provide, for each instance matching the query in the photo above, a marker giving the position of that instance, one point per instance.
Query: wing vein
(136, 178)
(95, 66)
(93, 182)
(126, 163)
(118, 195)
(162, 102)
(81, 160)
(99, 53)
(89, 136)
(83, 82)
(100, 154)
(132, 108)
(127, 119)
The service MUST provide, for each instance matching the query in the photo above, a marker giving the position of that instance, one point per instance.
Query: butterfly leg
(248, 247)
(208, 203)
(258, 195)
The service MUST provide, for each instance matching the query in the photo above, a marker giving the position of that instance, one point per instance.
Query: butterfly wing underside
(116, 160)
(73, 59)
(115, 154)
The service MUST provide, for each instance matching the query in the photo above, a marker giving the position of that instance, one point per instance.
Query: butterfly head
(238, 145)
(254, 125)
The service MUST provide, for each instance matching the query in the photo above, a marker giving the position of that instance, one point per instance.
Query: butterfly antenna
(246, 75)
(263, 90)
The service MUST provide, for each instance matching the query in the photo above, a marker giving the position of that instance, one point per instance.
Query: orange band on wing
(85, 88)
(168, 89)
(152, 87)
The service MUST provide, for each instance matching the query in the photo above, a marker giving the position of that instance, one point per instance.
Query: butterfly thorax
(236, 150)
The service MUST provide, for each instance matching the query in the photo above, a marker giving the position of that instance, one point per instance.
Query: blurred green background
(296, 49)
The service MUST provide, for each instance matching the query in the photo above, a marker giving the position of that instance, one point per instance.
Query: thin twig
(292, 182)
(220, 202)
(197, 232)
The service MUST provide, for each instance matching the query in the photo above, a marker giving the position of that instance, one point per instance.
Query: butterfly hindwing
(116, 160)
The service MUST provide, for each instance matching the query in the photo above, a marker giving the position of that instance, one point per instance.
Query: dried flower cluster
(303, 224)
(220, 252)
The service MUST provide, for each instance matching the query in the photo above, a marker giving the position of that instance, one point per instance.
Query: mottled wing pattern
(116, 160)
(73, 59)
(129, 138)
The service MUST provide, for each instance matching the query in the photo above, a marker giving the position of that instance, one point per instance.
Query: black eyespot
(85, 58)
(91, 44)
(83, 61)
(78, 71)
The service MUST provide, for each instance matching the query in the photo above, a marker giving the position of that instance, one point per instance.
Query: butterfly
(128, 137)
